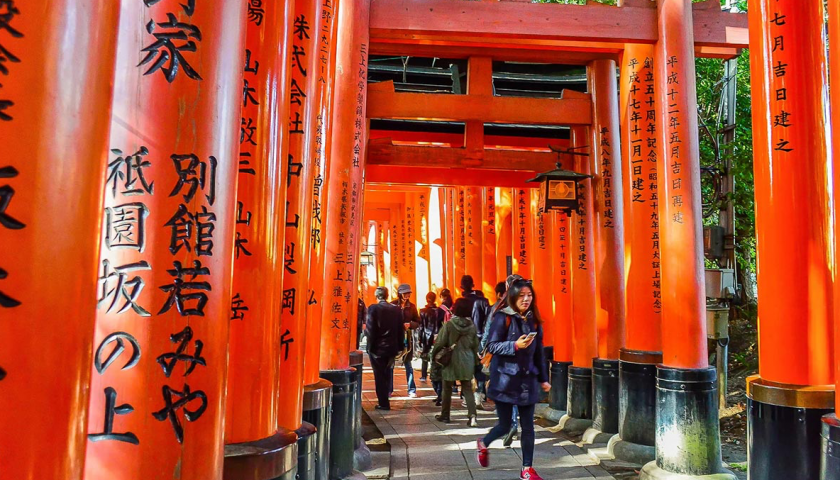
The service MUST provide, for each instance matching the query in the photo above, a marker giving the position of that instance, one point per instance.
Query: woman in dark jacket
(517, 372)
(431, 319)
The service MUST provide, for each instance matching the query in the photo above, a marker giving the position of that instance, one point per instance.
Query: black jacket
(385, 330)
(431, 320)
(480, 310)
(515, 375)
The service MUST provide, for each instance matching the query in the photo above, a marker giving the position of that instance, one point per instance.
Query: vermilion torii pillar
(504, 231)
(343, 218)
(488, 276)
(543, 271)
(257, 339)
(584, 326)
(521, 232)
(687, 407)
(473, 235)
(54, 135)
(161, 341)
(794, 387)
(643, 339)
(608, 224)
(460, 221)
(831, 425)
(317, 118)
(561, 289)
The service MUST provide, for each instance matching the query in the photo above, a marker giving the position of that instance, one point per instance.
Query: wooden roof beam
(467, 177)
(384, 153)
(384, 103)
(459, 21)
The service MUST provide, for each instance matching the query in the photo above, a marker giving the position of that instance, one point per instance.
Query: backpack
(485, 355)
(447, 313)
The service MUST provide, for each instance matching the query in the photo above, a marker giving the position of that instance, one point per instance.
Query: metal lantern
(366, 259)
(559, 189)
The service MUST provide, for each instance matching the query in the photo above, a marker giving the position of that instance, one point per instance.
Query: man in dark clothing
(480, 315)
(361, 315)
(411, 320)
(385, 340)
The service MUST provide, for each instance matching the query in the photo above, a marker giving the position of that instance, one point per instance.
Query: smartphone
(532, 335)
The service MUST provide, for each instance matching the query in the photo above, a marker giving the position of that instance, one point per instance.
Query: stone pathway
(425, 449)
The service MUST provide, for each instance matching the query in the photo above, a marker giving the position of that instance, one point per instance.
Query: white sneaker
(412, 395)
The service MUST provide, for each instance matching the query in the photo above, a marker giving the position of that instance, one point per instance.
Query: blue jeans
(514, 420)
(409, 378)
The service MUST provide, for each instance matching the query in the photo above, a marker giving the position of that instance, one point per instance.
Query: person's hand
(523, 342)
(546, 386)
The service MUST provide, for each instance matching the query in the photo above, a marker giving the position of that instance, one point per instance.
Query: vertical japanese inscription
(779, 110)
(522, 206)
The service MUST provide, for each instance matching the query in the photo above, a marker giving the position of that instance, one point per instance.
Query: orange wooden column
(382, 274)
(410, 240)
(687, 406)
(437, 240)
(447, 212)
(641, 201)
(423, 277)
(609, 209)
(488, 224)
(796, 356)
(397, 255)
(320, 149)
(473, 233)
(460, 236)
(834, 32)
(543, 269)
(504, 230)
(161, 341)
(521, 234)
(562, 261)
(54, 136)
(255, 334)
(584, 325)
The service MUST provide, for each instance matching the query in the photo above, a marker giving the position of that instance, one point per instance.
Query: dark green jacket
(461, 332)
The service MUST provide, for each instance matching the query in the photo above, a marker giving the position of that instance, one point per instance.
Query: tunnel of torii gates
(189, 312)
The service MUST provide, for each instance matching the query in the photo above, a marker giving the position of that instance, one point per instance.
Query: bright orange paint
(608, 221)
(488, 224)
(422, 260)
(189, 126)
(641, 197)
(397, 255)
(543, 269)
(52, 174)
(683, 287)
(562, 261)
(344, 207)
(792, 196)
(321, 153)
(473, 235)
(444, 209)
(582, 263)
(408, 239)
(460, 237)
(521, 232)
(834, 32)
(255, 344)
(504, 230)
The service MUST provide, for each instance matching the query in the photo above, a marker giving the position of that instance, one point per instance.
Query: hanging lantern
(559, 189)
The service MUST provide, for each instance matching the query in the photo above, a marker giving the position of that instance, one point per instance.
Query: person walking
(411, 321)
(385, 332)
(517, 372)
(460, 332)
(431, 320)
(479, 313)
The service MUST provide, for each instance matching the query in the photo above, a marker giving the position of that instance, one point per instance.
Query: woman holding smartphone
(517, 372)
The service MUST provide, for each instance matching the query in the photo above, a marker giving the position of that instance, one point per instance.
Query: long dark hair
(513, 293)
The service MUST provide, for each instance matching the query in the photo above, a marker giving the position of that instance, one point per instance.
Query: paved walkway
(425, 449)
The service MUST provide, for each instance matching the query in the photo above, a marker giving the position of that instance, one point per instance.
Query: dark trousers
(424, 369)
(381, 367)
(526, 420)
(480, 379)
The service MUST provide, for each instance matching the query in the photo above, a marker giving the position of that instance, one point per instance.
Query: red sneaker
(482, 455)
(529, 474)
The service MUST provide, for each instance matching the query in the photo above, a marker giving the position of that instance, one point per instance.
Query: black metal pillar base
(361, 453)
(559, 378)
(317, 403)
(343, 420)
(579, 401)
(687, 426)
(272, 458)
(307, 445)
(637, 397)
(783, 430)
(830, 465)
(605, 395)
